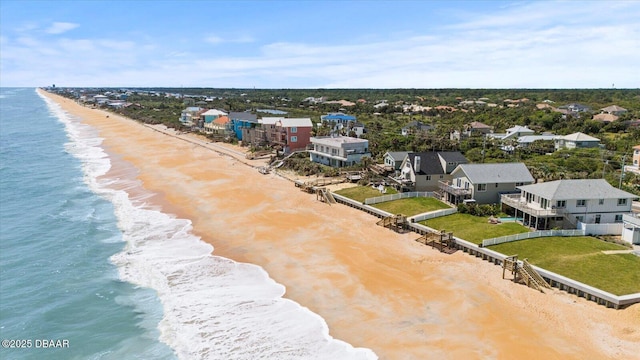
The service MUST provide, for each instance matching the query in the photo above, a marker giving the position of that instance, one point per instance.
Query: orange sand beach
(374, 288)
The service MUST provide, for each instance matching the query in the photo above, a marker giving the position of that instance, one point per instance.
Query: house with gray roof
(576, 140)
(564, 203)
(484, 183)
(423, 171)
(393, 159)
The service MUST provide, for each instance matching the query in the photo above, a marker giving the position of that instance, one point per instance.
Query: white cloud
(215, 39)
(60, 27)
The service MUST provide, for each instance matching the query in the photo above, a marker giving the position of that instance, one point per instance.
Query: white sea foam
(214, 308)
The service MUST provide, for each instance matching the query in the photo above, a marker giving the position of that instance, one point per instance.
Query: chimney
(416, 163)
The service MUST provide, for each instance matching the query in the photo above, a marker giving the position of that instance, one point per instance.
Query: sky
(320, 44)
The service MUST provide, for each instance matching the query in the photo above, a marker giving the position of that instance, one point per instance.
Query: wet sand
(374, 288)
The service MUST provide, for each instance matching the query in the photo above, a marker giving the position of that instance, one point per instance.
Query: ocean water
(84, 261)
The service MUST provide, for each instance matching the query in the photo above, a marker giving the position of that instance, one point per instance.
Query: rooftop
(576, 189)
(496, 173)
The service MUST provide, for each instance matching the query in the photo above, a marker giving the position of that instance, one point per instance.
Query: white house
(564, 203)
(576, 140)
(338, 151)
(484, 183)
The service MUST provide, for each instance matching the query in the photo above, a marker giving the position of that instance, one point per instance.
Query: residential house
(357, 128)
(513, 133)
(393, 159)
(564, 203)
(484, 183)
(416, 127)
(423, 171)
(190, 115)
(291, 134)
(338, 151)
(525, 142)
(212, 114)
(474, 128)
(338, 118)
(218, 126)
(575, 108)
(635, 161)
(605, 118)
(613, 110)
(575, 141)
(242, 122)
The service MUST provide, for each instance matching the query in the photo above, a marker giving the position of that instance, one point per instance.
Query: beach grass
(360, 193)
(473, 228)
(581, 258)
(412, 206)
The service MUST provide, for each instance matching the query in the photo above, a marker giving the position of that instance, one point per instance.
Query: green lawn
(473, 228)
(581, 258)
(360, 193)
(412, 206)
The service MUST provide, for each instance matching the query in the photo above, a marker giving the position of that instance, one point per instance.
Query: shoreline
(374, 288)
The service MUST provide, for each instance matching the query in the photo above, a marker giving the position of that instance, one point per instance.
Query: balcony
(454, 190)
(516, 202)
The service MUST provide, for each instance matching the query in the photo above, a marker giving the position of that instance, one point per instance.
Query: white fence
(601, 229)
(434, 214)
(531, 235)
(379, 199)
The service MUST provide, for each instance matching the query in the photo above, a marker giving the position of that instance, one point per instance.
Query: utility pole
(484, 143)
(624, 157)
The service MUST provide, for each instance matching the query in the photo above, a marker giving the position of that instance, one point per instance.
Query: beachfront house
(564, 203)
(190, 115)
(484, 183)
(242, 122)
(575, 141)
(338, 151)
(424, 170)
(291, 134)
(218, 126)
(393, 159)
(212, 114)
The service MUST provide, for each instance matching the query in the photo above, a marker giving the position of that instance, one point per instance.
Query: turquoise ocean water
(84, 261)
(56, 238)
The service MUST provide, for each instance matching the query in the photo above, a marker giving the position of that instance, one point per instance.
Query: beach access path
(374, 288)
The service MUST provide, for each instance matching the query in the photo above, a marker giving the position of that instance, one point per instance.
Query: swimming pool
(510, 219)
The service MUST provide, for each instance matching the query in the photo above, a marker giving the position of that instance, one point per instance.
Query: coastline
(374, 288)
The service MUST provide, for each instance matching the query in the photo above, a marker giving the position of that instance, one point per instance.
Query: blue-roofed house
(242, 121)
(338, 118)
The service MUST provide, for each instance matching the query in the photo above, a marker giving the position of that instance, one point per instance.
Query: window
(598, 217)
(496, 184)
(482, 187)
(428, 177)
(580, 218)
(622, 202)
(294, 139)
(294, 130)
(600, 201)
(561, 204)
(581, 203)
(618, 218)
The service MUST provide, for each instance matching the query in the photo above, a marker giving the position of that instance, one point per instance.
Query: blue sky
(321, 44)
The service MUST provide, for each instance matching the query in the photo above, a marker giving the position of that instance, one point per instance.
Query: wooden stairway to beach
(531, 276)
(525, 272)
(325, 195)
